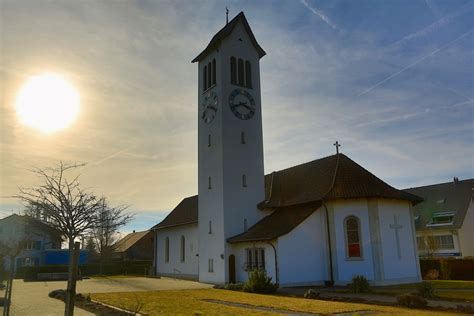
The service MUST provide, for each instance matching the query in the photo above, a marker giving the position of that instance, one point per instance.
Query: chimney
(456, 180)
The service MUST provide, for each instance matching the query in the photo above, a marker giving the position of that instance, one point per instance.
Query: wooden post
(71, 290)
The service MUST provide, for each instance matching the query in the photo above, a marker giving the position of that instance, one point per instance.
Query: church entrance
(231, 269)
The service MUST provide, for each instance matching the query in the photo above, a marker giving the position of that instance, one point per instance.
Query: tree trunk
(74, 249)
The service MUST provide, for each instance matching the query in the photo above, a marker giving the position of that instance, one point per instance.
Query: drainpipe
(277, 279)
(331, 272)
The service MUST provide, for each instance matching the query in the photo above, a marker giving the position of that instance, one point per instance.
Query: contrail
(321, 15)
(415, 62)
(433, 26)
(98, 162)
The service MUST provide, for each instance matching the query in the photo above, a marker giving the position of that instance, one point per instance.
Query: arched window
(209, 183)
(233, 73)
(240, 68)
(214, 71)
(183, 251)
(209, 74)
(204, 79)
(209, 140)
(242, 137)
(244, 180)
(352, 229)
(248, 75)
(167, 249)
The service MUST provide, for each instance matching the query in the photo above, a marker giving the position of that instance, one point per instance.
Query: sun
(47, 102)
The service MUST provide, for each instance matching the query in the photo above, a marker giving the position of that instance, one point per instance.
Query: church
(320, 222)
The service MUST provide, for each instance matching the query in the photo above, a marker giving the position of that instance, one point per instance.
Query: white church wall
(348, 267)
(301, 253)
(403, 265)
(187, 269)
(239, 250)
(466, 232)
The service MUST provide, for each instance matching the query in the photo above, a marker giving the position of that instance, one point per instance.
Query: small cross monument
(397, 226)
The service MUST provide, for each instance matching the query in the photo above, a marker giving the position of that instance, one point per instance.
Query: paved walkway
(31, 298)
(385, 299)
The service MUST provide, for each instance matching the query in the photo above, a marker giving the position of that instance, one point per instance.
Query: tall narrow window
(214, 71)
(248, 75)
(209, 140)
(210, 227)
(204, 79)
(167, 249)
(242, 137)
(209, 183)
(211, 265)
(183, 248)
(244, 180)
(233, 72)
(245, 224)
(240, 67)
(209, 74)
(352, 228)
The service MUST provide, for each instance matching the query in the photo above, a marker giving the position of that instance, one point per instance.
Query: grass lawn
(189, 302)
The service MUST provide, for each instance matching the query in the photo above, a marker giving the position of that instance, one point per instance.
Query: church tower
(230, 144)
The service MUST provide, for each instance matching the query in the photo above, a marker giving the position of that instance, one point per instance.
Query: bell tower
(230, 144)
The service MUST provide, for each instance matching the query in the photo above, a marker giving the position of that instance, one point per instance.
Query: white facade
(172, 264)
(230, 171)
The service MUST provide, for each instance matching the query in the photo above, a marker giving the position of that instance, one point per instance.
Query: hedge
(459, 269)
(109, 268)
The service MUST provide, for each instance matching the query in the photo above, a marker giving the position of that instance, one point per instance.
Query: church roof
(277, 224)
(129, 240)
(449, 199)
(185, 213)
(329, 178)
(296, 192)
(225, 31)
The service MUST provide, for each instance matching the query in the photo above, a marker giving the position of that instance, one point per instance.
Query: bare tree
(64, 205)
(104, 233)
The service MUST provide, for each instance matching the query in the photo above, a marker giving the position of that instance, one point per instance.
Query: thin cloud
(414, 63)
(321, 15)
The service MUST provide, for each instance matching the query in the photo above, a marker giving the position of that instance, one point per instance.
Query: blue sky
(391, 80)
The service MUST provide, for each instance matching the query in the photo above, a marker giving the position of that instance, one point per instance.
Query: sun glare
(47, 102)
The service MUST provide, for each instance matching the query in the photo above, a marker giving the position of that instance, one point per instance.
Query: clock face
(242, 104)
(209, 107)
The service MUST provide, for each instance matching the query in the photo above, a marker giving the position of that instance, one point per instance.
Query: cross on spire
(337, 146)
(226, 15)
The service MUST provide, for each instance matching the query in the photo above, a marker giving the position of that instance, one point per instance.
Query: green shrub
(311, 294)
(411, 300)
(426, 290)
(359, 284)
(259, 282)
(234, 286)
